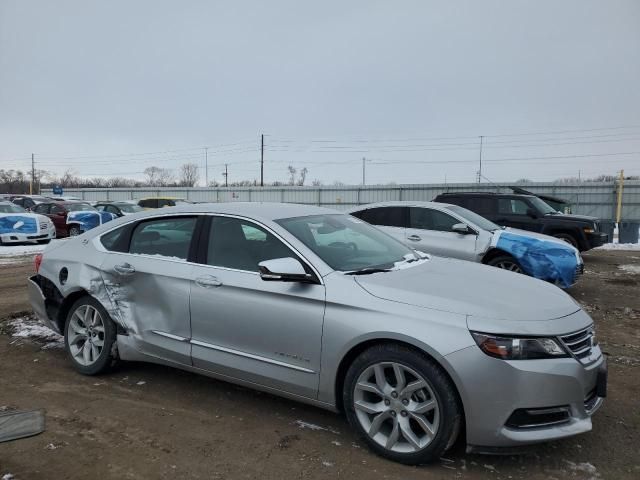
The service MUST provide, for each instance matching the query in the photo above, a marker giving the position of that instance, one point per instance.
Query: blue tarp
(89, 219)
(550, 260)
(18, 224)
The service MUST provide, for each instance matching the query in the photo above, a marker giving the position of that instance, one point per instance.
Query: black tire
(108, 357)
(506, 262)
(74, 231)
(570, 239)
(450, 412)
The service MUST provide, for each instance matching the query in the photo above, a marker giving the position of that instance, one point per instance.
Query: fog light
(538, 417)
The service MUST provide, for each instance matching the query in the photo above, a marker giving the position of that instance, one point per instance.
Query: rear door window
(512, 206)
(167, 237)
(385, 216)
(57, 210)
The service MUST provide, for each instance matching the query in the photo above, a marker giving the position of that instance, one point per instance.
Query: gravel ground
(148, 421)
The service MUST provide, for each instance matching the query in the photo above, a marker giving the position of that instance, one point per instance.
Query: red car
(58, 211)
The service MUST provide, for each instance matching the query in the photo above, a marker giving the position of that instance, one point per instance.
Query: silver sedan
(323, 308)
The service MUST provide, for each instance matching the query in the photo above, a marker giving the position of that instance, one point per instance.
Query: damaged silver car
(324, 308)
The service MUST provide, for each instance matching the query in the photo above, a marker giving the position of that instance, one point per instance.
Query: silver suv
(323, 308)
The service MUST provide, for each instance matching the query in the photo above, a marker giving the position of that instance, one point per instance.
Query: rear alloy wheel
(74, 231)
(402, 404)
(506, 262)
(89, 337)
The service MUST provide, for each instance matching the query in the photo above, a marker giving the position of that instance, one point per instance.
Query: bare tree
(316, 183)
(158, 177)
(303, 176)
(189, 175)
(292, 175)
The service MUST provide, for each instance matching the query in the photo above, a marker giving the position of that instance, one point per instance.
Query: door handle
(414, 238)
(124, 269)
(208, 281)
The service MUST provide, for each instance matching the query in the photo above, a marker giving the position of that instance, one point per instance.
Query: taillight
(37, 261)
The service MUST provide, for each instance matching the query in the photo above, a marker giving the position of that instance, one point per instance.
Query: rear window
(385, 216)
(168, 237)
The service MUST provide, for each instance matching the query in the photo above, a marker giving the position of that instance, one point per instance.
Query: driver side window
(241, 245)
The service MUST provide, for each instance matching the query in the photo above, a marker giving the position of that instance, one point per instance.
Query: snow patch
(8, 476)
(584, 467)
(633, 269)
(619, 246)
(29, 327)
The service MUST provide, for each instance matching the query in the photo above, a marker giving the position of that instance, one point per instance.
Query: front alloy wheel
(402, 403)
(396, 406)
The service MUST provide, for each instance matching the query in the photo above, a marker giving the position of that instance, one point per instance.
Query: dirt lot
(146, 421)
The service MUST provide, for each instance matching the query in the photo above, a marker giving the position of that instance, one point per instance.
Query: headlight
(588, 230)
(519, 348)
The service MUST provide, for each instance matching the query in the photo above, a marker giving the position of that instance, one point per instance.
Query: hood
(542, 236)
(568, 217)
(21, 222)
(472, 289)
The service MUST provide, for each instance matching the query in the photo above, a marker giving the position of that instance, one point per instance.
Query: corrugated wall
(595, 199)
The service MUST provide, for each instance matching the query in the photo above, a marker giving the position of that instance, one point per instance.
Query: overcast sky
(409, 85)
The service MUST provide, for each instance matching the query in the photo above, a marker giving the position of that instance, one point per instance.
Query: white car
(18, 226)
(453, 231)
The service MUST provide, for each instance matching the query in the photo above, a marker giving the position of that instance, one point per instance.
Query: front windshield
(346, 243)
(542, 206)
(80, 207)
(11, 208)
(474, 218)
(129, 207)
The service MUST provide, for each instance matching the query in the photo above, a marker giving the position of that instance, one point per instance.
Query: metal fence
(587, 198)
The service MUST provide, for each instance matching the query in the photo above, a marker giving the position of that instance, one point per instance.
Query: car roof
(263, 211)
(161, 198)
(493, 194)
(401, 203)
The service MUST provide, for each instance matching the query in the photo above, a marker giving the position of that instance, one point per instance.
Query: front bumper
(597, 239)
(27, 237)
(492, 390)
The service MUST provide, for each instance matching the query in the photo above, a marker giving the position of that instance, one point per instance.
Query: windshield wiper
(368, 270)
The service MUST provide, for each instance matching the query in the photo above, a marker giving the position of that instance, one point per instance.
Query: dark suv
(529, 212)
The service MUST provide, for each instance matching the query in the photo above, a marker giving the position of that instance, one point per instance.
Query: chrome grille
(579, 343)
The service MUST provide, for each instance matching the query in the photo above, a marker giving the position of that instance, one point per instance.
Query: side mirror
(532, 213)
(284, 270)
(461, 228)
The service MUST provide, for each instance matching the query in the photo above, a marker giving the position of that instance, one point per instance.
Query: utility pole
(226, 175)
(480, 169)
(616, 230)
(206, 166)
(262, 160)
(33, 175)
(363, 171)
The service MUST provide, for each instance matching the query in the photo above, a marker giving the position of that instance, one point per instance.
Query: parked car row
(322, 307)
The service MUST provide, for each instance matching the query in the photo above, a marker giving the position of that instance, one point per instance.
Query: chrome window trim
(98, 244)
(251, 356)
